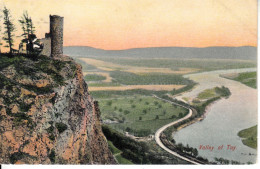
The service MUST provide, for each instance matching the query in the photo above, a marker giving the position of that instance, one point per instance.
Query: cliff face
(47, 114)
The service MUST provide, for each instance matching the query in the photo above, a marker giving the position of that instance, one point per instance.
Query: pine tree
(9, 30)
(28, 32)
(32, 26)
(22, 22)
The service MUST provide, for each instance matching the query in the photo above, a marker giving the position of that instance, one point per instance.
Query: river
(224, 119)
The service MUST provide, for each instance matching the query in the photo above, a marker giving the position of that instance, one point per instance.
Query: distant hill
(245, 52)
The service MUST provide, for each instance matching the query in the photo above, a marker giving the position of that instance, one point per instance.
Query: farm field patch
(107, 76)
(131, 87)
(247, 78)
(177, 64)
(139, 116)
(112, 66)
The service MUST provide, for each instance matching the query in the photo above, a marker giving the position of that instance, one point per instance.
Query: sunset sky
(122, 24)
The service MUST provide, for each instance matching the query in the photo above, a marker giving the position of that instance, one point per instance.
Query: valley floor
(124, 88)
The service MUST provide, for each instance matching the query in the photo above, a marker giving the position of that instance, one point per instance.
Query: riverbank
(159, 131)
(202, 117)
(197, 113)
(225, 118)
(247, 78)
(169, 143)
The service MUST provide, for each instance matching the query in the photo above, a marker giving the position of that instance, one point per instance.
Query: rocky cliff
(47, 114)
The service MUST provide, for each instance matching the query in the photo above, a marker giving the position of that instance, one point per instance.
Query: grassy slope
(249, 136)
(117, 153)
(248, 78)
(140, 113)
(139, 152)
(206, 94)
(214, 92)
(122, 160)
(112, 148)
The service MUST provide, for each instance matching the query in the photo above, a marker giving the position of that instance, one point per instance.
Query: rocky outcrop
(47, 114)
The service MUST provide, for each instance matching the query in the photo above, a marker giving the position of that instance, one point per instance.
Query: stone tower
(56, 34)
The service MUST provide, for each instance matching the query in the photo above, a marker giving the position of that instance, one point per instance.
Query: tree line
(137, 152)
(29, 39)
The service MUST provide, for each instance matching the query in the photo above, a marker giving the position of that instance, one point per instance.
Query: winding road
(160, 130)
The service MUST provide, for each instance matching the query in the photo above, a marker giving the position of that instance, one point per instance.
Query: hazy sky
(121, 24)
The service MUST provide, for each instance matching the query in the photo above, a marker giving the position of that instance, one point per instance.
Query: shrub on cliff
(52, 156)
(61, 127)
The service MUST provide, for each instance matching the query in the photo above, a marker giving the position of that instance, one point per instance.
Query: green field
(94, 77)
(139, 116)
(175, 64)
(103, 84)
(248, 78)
(126, 93)
(206, 94)
(249, 136)
(127, 78)
(214, 92)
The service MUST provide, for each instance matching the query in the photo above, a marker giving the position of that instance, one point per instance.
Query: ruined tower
(56, 34)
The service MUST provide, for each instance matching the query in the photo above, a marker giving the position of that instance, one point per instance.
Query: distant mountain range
(244, 53)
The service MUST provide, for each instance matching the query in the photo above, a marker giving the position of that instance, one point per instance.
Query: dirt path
(160, 130)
